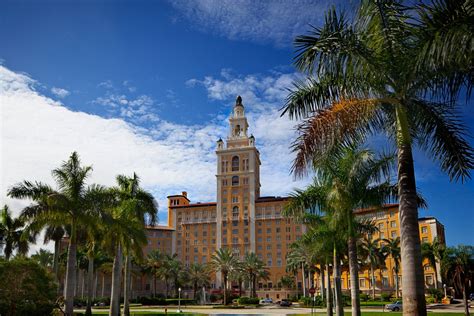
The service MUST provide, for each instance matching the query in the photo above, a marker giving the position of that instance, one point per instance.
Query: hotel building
(244, 221)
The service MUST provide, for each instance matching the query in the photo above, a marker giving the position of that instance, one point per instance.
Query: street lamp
(444, 287)
(179, 300)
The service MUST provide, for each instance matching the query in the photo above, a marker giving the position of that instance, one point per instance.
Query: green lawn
(382, 314)
(139, 313)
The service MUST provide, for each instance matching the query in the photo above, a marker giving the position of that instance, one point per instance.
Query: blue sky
(146, 86)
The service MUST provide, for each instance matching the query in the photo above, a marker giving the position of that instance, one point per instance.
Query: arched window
(235, 163)
(237, 130)
(235, 180)
(235, 211)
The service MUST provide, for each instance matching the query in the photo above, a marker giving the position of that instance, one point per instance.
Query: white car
(395, 307)
(266, 301)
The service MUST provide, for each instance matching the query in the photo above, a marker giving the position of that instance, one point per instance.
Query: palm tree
(223, 261)
(392, 248)
(432, 253)
(70, 205)
(56, 234)
(348, 179)
(13, 233)
(142, 205)
(198, 275)
(124, 231)
(460, 262)
(154, 262)
(252, 267)
(370, 249)
(379, 73)
(44, 258)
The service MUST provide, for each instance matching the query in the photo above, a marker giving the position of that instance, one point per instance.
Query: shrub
(437, 294)
(26, 288)
(248, 301)
(430, 300)
(364, 297)
(386, 296)
(308, 301)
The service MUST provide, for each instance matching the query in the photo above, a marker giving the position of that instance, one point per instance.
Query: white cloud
(169, 157)
(107, 84)
(276, 21)
(139, 109)
(59, 92)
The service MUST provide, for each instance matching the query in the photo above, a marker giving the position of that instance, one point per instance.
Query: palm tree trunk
(90, 280)
(413, 280)
(397, 286)
(95, 284)
(328, 293)
(254, 286)
(337, 284)
(321, 277)
(436, 275)
(372, 280)
(354, 274)
(464, 298)
(103, 285)
(56, 260)
(116, 283)
(225, 288)
(154, 286)
(70, 284)
(304, 279)
(83, 283)
(126, 286)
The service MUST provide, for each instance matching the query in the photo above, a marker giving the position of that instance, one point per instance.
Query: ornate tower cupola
(238, 122)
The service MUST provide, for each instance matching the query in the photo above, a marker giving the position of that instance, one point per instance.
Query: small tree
(26, 288)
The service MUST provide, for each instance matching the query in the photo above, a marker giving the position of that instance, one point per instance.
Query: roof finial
(238, 101)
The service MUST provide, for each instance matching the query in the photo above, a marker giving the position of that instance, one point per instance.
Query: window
(235, 211)
(246, 181)
(424, 230)
(385, 281)
(424, 239)
(224, 182)
(394, 234)
(429, 280)
(235, 199)
(393, 224)
(382, 235)
(235, 231)
(235, 163)
(362, 283)
(235, 180)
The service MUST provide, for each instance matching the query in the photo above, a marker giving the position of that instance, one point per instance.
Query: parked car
(266, 301)
(471, 297)
(395, 307)
(285, 303)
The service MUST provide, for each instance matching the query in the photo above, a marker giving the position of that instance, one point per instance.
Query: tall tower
(238, 185)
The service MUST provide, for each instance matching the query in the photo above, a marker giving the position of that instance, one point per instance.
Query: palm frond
(438, 129)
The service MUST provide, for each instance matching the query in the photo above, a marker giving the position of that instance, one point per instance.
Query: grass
(140, 313)
(382, 314)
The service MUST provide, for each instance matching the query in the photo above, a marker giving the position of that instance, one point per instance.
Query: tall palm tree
(56, 234)
(432, 252)
(348, 179)
(70, 205)
(44, 258)
(198, 275)
(124, 231)
(154, 262)
(13, 233)
(370, 248)
(380, 73)
(392, 248)
(460, 269)
(223, 261)
(252, 266)
(142, 205)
